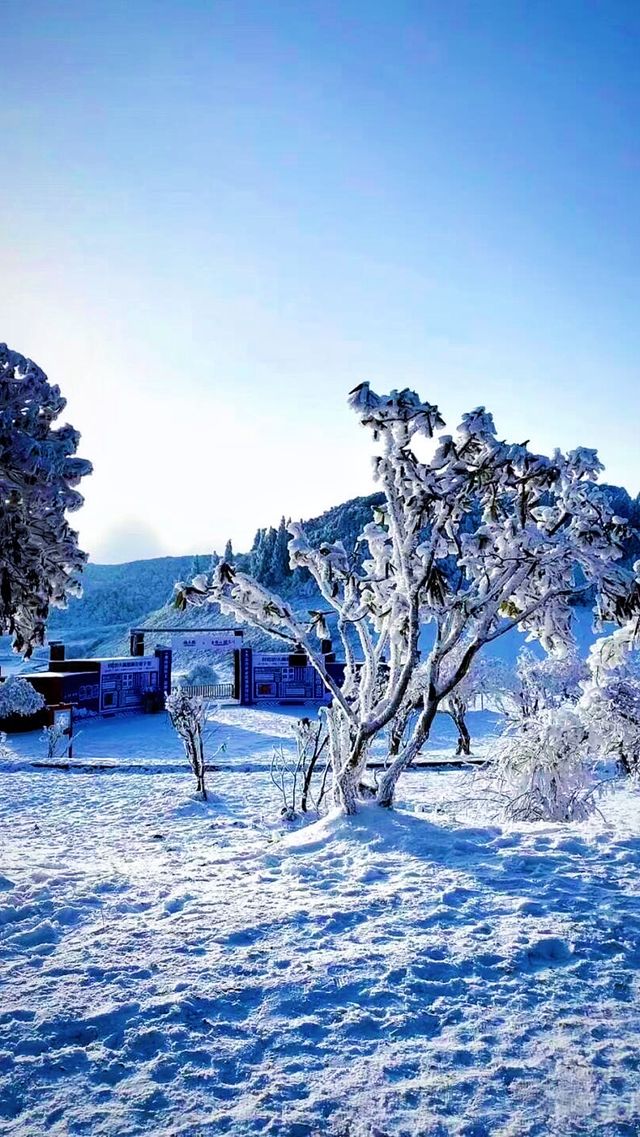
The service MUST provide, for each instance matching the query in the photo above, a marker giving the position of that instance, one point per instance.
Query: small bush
(19, 697)
(200, 675)
(293, 773)
(612, 713)
(545, 770)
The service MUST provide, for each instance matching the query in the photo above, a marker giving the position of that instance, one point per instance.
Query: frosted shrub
(19, 697)
(611, 712)
(187, 714)
(201, 675)
(544, 768)
(610, 702)
(293, 773)
(539, 684)
(6, 753)
(56, 740)
(285, 773)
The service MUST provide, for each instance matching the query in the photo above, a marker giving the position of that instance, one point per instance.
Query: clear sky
(218, 217)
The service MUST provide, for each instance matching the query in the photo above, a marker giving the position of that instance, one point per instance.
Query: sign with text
(132, 663)
(62, 719)
(270, 659)
(206, 641)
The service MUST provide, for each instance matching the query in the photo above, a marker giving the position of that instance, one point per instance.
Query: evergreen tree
(280, 569)
(255, 551)
(228, 552)
(265, 564)
(198, 565)
(39, 473)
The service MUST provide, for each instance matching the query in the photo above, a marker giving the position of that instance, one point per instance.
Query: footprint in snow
(176, 903)
(549, 951)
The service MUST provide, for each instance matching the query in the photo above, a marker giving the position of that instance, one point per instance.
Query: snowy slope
(171, 967)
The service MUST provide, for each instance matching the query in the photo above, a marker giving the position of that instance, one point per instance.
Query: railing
(210, 690)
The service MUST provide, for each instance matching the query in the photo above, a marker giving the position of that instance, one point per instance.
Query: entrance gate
(211, 639)
(285, 679)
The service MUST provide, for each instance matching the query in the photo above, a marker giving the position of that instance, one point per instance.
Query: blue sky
(217, 218)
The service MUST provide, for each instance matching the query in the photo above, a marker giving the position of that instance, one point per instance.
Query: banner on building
(133, 663)
(206, 641)
(271, 659)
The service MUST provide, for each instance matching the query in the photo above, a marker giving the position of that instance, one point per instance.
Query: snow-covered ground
(176, 967)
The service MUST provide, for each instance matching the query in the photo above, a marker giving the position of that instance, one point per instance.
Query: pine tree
(39, 474)
(265, 565)
(228, 552)
(198, 565)
(280, 570)
(255, 551)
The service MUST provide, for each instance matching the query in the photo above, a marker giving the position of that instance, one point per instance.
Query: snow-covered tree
(479, 681)
(544, 535)
(536, 684)
(39, 473)
(280, 569)
(265, 563)
(19, 697)
(188, 715)
(255, 552)
(484, 677)
(199, 564)
(228, 552)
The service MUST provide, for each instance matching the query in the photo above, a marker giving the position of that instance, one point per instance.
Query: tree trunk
(347, 775)
(201, 770)
(398, 728)
(387, 787)
(309, 774)
(464, 738)
(347, 792)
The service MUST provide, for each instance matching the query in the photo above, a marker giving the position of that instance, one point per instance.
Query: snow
(176, 967)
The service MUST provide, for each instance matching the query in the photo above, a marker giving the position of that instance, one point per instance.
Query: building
(123, 683)
(284, 679)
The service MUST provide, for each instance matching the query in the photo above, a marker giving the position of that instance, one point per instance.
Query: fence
(210, 690)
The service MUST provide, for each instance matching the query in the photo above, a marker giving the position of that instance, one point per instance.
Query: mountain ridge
(139, 592)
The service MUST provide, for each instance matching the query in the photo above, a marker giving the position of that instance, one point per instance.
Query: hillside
(120, 594)
(117, 597)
